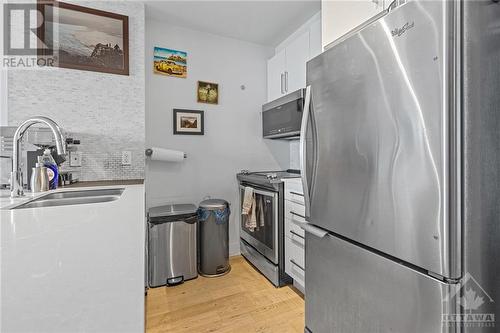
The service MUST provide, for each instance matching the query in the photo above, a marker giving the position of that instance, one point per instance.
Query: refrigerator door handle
(318, 232)
(303, 155)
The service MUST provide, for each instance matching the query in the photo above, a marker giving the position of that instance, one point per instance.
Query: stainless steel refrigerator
(400, 152)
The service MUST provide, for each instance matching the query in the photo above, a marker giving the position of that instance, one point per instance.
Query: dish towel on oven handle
(248, 209)
(248, 199)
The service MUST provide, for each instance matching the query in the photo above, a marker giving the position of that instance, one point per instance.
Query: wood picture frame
(87, 52)
(188, 122)
(207, 92)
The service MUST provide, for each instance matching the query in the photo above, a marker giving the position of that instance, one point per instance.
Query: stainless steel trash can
(172, 244)
(213, 236)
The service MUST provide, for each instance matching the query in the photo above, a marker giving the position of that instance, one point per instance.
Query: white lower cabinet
(294, 234)
(295, 262)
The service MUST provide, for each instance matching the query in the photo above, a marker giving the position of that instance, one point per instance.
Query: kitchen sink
(74, 198)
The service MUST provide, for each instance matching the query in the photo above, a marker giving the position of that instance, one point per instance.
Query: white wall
(105, 111)
(233, 132)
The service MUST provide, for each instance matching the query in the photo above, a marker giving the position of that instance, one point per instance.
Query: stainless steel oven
(264, 236)
(263, 243)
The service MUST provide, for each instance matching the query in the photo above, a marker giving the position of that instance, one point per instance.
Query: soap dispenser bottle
(39, 179)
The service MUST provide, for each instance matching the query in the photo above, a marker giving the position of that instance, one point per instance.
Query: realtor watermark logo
(471, 304)
(24, 36)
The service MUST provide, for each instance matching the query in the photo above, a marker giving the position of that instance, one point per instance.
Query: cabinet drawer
(295, 211)
(294, 261)
(293, 190)
(294, 231)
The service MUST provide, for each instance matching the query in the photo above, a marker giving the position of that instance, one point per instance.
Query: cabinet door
(297, 54)
(275, 72)
(340, 17)
(315, 47)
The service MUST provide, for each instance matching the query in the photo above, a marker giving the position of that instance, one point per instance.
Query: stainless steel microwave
(282, 117)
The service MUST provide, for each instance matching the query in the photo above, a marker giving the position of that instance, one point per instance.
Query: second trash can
(213, 237)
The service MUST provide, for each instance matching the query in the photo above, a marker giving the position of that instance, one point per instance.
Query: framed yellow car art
(170, 62)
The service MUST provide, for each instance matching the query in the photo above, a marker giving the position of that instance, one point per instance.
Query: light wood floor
(241, 301)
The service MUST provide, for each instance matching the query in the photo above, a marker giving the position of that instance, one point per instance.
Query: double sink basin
(73, 198)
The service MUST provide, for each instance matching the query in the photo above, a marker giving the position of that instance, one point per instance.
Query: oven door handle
(266, 193)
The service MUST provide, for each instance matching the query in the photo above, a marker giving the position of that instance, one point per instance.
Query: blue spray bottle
(48, 161)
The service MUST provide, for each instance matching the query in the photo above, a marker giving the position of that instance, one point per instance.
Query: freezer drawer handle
(296, 234)
(294, 263)
(293, 213)
(320, 233)
(299, 194)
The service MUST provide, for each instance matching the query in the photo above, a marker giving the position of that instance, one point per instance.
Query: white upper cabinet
(315, 46)
(297, 54)
(276, 76)
(286, 71)
(340, 17)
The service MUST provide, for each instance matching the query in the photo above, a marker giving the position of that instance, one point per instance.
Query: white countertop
(75, 267)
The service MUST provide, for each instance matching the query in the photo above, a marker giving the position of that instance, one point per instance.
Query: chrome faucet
(16, 176)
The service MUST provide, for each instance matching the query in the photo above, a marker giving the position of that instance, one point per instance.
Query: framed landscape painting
(170, 62)
(189, 122)
(85, 38)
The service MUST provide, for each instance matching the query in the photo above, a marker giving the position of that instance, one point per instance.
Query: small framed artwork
(188, 122)
(85, 38)
(208, 92)
(170, 62)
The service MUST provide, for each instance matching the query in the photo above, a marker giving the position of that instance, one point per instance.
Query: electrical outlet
(126, 157)
(75, 158)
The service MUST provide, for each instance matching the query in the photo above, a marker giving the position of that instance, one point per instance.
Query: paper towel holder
(149, 152)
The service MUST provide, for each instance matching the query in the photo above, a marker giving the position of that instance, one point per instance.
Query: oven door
(264, 235)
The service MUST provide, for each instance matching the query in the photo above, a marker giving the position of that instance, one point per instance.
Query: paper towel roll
(167, 155)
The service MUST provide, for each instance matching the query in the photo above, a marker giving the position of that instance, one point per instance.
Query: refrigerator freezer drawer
(350, 289)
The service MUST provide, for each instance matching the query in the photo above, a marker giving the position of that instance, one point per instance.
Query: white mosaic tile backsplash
(105, 112)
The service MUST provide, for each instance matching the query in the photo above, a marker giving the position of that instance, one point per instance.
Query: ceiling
(262, 22)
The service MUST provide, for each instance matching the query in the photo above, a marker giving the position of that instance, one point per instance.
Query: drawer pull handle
(296, 234)
(296, 193)
(293, 213)
(294, 263)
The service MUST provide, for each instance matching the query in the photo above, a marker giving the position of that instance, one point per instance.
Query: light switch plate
(75, 158)
(126, 157)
